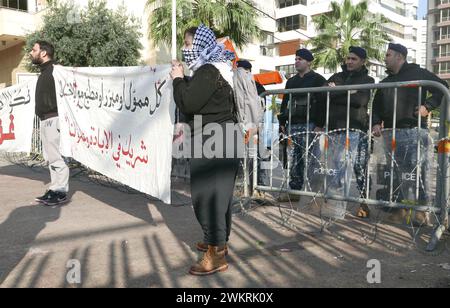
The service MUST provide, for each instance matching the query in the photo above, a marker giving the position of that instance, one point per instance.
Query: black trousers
(212, 187)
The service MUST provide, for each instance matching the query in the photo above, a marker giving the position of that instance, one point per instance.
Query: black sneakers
(44, 197)
(53, 198)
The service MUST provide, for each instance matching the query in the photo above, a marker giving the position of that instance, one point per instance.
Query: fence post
(443, 187)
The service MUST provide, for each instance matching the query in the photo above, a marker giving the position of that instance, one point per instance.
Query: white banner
(118, 121)
(16, 117)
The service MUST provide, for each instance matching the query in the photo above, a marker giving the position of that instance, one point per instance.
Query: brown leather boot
(213, 261)
(204, 247)
(363, 211)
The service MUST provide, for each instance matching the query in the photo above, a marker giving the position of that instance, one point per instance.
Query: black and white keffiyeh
(206, 50)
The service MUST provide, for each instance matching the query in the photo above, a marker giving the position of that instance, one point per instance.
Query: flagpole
(174, 29)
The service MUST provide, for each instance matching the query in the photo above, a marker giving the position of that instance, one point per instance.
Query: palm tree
(347, 25)
(233, 18)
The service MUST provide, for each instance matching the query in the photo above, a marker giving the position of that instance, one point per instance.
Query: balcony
(443, 23)
(441, 59)
(443, 6)
(443, 41)
(396, 10)
(445, 76)
(16, 23)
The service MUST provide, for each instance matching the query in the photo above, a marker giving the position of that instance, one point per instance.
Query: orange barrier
(269, 78)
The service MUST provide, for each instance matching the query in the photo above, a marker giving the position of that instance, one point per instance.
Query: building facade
(20, 17)
(438, 53)
(17, 18)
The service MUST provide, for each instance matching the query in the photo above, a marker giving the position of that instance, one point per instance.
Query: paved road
(126, 240)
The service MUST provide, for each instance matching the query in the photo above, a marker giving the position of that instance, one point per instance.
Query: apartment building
(439, 38)
(422, 31)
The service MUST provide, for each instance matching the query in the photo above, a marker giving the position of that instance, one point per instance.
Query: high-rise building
(438, 53)
(422, 28)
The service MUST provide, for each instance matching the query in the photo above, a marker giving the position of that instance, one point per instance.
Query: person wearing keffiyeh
(209, 93)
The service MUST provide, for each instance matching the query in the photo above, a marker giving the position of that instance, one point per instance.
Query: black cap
(360, 52)
(305, 54)
(399, 48)
(244, 64)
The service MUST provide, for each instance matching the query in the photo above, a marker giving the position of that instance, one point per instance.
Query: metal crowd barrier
(440, 205)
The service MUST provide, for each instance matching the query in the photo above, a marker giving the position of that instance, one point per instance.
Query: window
(292, 23)
(436, 69)
(21, 5)
(267, 51)
(378, 71)
(445, 15)
(287, 3)
(444, 68)
(444, 50)
(437, 18)
(445, 33)
(435, 52)
(267, 47)
(289, 70)
(444, 1)
(394, 29)
(436, 35)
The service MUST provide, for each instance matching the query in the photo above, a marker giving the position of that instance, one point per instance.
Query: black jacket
(45, 91)
(408, 98)
(260, 88)
(299, 110)
(207, 93)
(339, 101)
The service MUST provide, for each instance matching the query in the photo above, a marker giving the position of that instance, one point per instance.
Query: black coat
(45, 91)
(408, 98)
(309, 80)
(207, 94)
(359, 101)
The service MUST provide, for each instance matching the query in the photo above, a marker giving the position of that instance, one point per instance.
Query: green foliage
(274, 107)
(232, 18)
(347, 25)
(94, 36)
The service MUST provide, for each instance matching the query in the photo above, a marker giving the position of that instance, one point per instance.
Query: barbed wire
(371, 236)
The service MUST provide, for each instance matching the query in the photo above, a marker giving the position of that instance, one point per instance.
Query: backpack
(248, 105)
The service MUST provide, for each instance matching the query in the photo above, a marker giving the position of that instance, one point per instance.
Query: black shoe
(47, 196)
(57, 198)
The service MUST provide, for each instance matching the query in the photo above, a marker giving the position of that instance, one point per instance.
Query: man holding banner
(42, 54)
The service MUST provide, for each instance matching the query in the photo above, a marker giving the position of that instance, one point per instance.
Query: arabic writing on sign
(10, 135)
(11, 98)
(107, 99)
(103, 141)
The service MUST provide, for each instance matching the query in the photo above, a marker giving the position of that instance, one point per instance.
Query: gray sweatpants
(59, 172)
